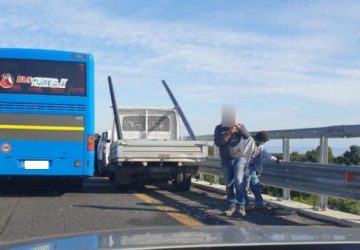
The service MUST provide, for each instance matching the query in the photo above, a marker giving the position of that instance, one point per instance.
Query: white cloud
(209, 62)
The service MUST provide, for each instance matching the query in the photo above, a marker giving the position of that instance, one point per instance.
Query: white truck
(146, 148)
(152, 151)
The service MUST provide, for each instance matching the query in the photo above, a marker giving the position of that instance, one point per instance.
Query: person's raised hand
(279, 162)
(238, 126)
(233, 129)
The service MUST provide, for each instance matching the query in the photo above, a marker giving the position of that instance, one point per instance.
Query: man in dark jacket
(227, 137)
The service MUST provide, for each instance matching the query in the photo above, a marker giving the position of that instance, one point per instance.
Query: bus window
(42, 77)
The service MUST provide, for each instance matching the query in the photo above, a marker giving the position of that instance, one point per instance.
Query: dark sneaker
(249, 206)
(262, 206)
(230, 211)
(259, 206)
(242, 211)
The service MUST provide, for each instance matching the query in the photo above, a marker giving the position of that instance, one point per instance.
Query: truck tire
(111, 176)
(119, 182)
(186, 184)
(138, 185)
(121, 187)
(182, 182)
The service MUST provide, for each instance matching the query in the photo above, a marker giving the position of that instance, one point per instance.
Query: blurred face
(228, 117)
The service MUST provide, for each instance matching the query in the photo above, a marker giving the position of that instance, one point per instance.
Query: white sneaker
(242, 211)
(230, 211)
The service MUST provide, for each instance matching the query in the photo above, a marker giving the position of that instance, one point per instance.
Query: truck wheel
(138, 186)
(182, 182)
(111, 177)
(187, 183)
(119, 185)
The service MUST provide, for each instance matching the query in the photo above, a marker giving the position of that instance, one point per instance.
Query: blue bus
(46, 114)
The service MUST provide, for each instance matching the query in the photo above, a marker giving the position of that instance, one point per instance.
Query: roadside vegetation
(349, 157)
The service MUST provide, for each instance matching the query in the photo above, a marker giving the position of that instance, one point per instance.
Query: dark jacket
(225, 147)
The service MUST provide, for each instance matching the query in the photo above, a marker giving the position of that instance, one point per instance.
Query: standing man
(227, 137)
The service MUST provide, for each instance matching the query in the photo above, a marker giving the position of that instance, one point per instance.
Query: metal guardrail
(340, 131)
(320, 179)
(322, 133)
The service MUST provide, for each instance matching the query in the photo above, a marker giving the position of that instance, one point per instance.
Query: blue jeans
(251, 180)
(233, 171)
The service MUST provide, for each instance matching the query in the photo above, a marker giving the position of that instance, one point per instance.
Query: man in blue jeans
(228, 135)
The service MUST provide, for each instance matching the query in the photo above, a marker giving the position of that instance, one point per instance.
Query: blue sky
(284, 64)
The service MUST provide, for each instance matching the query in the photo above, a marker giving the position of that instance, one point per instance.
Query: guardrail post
(286, 193)
(323, 202)
(216, 151)
(286, 157)
(286, 149)
(201, 176)
(324, 159)
(324, 150)
(216, 179)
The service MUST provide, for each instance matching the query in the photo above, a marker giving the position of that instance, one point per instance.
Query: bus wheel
(77, 183)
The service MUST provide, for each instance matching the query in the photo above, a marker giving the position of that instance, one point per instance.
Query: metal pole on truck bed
(179, 110)
(115, 110)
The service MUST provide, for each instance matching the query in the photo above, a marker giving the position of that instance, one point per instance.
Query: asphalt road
(39, 210)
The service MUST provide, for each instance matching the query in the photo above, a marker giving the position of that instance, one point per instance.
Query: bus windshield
(42, 77)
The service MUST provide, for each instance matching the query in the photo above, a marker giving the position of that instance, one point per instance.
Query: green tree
(340, 160)
(331, 156)
(295, 156)
(314, 155)
(351, 156)
(211, 150)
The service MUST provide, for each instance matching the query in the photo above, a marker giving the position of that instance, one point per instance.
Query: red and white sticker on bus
(7, 81)
(5, 148)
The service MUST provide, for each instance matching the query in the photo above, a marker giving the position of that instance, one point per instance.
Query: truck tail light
(90, 143)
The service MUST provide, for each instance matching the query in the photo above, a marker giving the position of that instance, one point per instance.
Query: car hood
(185, 237)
